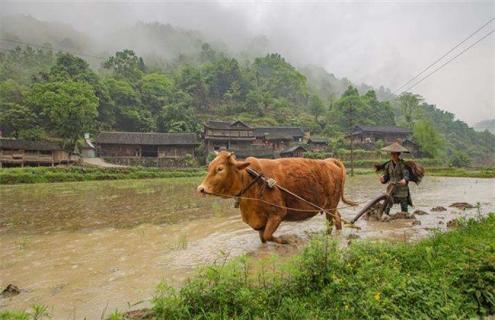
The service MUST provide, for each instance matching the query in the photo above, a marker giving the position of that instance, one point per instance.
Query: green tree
(177, 117)
(190, 81)
(69, 108)
(25, 64)
(156, 90)
(430, 140)
(127, 65)
(379, 112)
(18, 121)
(409, 105)
(275, 75)
(130, 115)
(459, 159)
(349, 110)
(316, 106)
(69, 67)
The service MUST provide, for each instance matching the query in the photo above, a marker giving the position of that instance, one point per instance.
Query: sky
(377, 43)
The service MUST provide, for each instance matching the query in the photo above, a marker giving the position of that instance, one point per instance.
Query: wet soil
(92, 247)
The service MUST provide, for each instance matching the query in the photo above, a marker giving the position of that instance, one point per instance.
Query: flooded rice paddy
(88, 248)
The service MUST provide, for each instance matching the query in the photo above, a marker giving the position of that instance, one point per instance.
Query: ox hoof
(280, 240)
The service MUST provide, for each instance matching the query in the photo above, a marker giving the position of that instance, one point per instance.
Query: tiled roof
(292, 149)
(225, 124)
(147, 138)
(7, 143)
(381, 129)
(320, 140)
(295, 132)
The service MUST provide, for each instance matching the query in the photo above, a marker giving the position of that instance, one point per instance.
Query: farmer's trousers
(403, 205)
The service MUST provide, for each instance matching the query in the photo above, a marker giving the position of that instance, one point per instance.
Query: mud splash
(91, 247)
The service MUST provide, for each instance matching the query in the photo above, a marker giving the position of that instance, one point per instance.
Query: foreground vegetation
(73, 173)
(450, 275)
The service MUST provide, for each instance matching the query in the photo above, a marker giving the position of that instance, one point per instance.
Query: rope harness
(272, 183)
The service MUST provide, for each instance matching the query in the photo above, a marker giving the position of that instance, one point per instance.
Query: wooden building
(317, 144)
(245, 141)
(279, 138)
(367, 136)
(19, 152)
(293, 152)
(235, 135)
(413, 148)
(146, 149)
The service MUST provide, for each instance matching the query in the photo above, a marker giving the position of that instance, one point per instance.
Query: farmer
(396, 172)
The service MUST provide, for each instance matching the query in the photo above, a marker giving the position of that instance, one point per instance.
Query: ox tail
(339, 164)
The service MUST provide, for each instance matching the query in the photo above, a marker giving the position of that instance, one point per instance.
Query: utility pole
(352, 138)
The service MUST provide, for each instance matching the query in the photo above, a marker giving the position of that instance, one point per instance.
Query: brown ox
(318, 181)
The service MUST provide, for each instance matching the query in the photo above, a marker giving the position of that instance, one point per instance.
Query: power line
(444, 55)
(450, 60)
(50, 47)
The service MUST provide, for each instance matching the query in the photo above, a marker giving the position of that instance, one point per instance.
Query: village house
(235, 135)
(245, 141)
(279, 138)
(147, 149)
(19, 152)
(293, 152)
(413, 148)
(317, 144)
(366, 136)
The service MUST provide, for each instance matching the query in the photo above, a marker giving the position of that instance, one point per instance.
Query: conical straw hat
(395, 147)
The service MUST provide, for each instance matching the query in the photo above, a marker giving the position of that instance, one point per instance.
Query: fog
(373, 43)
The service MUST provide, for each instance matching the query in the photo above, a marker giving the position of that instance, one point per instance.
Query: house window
(149, 151)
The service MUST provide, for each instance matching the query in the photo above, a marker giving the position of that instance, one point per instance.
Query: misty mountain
(18, 30)
(485, 125)
(159, 45)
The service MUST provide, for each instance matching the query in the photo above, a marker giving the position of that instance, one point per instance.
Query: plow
(375, 203)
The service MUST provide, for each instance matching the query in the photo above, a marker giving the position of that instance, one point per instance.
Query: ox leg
(338, 220)
(329, 223)
(261, 231)
(270, 228)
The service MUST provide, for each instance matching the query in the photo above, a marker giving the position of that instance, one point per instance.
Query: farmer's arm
(386, 177)
(405, 176)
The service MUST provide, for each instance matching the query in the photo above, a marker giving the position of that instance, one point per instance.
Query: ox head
(224, 175)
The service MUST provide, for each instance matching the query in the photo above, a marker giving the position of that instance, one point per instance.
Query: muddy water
(88, 248)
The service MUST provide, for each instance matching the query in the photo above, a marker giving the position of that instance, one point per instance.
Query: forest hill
(46, 95)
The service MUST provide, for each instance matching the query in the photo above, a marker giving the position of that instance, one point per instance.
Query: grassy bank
(462, 172)
(447, 276)
(67, 174)
(442, 172)
(74, 173)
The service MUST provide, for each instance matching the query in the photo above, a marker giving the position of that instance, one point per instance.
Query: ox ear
(216, 152)
(240, 165)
